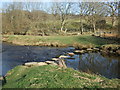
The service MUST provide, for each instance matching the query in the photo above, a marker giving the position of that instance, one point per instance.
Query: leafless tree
(63, 9)
(113, 10)
(83, 10)
(95, 12)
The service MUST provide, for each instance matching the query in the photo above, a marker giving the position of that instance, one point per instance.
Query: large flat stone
(71, 54)
(63, 56)
(89, 49)
(42, 63)
(30, 63)
(55, 59)
(79, 51)
(35, 64)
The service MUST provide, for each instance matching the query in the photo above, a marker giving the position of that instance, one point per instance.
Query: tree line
(37, 18)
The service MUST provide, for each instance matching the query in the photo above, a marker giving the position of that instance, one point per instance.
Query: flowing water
(13, 55)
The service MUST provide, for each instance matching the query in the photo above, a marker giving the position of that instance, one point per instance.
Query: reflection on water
(96, 63)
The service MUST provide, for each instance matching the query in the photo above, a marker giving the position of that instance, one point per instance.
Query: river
(13, 55)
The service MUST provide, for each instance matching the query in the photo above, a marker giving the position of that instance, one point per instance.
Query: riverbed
(13, 55)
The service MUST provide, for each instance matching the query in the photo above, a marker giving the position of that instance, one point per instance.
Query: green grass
(55, 77)
(66, 40)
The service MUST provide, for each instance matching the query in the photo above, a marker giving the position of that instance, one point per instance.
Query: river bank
(58, 41)
(25, 75)
(81, 42)
(52, 76)
(92, 60)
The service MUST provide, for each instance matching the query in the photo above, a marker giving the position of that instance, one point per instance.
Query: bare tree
(63, 9)
(113, 10)
(95, 11)
(83, 10)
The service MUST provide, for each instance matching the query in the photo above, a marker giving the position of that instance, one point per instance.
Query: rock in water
(79, 51)
(71, 54)
(55, 59)
(89, 49)
(62, 56)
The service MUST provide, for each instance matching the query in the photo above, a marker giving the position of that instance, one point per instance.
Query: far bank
(59, 41)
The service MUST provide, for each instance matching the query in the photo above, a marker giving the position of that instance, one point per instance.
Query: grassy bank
(55, 77)
(87, 40)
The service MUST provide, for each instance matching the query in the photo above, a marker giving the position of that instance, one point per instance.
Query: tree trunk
(43, 33)
(62, 26)
(113, 21)
(81, 25)
(94, 28)
(81, 28)
(66, 30)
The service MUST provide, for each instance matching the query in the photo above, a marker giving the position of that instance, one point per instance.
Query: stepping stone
(42, 63)
(62, 56)
(55, 59)
(89, 49)
(51, 62)
(71, 54)
(79, 51)
(97, 49)
(30, 63)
